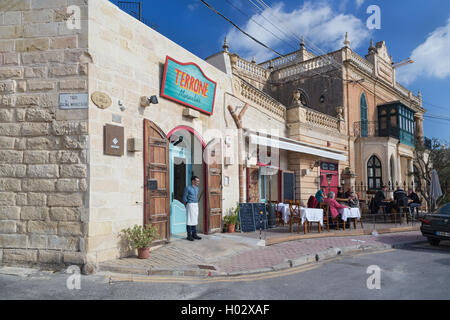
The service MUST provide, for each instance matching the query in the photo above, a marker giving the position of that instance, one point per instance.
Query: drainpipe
(238, 120)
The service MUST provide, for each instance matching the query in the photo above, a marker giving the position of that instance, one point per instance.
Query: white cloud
(318, 22)
(359, 3)
(430, 58)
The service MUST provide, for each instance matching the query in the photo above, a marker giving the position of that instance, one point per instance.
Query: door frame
(174, 152)
(199, 138)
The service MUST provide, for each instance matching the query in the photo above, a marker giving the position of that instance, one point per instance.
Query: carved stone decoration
(233, 59)
(296, 95)
(339, 111)
(101, 100)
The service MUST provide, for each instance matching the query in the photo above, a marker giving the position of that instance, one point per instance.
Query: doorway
(180, 177)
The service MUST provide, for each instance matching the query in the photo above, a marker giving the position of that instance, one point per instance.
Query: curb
(286, 264)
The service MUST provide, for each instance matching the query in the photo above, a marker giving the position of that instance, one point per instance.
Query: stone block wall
(43, 149)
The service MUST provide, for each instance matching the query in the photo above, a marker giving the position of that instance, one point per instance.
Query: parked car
(436, 226)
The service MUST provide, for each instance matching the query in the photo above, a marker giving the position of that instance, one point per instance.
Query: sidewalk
(233, 254)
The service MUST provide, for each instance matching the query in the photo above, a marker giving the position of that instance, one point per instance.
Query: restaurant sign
(186, 83)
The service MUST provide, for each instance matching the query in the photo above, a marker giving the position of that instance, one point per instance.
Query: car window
(445, 209)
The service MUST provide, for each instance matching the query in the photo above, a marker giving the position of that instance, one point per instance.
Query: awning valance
(292, 145)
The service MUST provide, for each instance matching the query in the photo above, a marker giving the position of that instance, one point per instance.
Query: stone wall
(128, 61)
(43, 150)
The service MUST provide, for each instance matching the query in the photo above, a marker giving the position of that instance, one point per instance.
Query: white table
(349, 213)
(311, 215)
(285, 212)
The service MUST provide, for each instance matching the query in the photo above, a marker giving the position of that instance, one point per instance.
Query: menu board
(272, 217)
(250, 218)
(246, 217)
(288, 186)
(257, 208)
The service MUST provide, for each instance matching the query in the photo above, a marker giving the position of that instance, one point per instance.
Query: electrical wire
(237, 27)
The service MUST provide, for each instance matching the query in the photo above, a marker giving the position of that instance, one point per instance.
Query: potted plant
(141, 238)
(231, 219)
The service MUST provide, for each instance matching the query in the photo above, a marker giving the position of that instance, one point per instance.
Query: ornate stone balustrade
(408, 94)
(250, 68)
(317, 118)
(362, 63)
(305, 66)
(278, 62)
(263, 100)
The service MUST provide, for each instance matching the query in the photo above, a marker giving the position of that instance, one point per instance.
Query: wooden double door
(157, 183)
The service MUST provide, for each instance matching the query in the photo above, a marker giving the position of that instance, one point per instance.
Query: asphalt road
(417, 271)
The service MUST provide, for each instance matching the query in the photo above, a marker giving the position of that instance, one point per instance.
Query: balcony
(364, 129)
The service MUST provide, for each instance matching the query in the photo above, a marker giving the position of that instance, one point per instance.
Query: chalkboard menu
(257, 208)
(288, 186)
(249, 216)
(272, 221)
(246, 218)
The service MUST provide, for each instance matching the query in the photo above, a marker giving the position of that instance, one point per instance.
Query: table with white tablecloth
(311, 215)
(349, 213)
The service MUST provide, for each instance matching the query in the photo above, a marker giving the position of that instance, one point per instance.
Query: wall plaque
(73, 101)
(101, 100)
(113, 140)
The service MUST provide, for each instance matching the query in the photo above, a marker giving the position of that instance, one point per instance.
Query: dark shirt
(401, 198)
(379, 197)
(342, 195)
(414, 197)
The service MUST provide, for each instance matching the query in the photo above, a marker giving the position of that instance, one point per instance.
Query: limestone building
(103, 121)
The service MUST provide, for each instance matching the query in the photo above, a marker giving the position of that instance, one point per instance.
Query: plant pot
(144, 253)
(231, 228)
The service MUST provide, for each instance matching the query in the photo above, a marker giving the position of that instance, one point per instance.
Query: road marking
(241, 278)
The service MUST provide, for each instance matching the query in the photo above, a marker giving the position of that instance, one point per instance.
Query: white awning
(292, 145)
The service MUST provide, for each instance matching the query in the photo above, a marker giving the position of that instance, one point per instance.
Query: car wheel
(434, 241)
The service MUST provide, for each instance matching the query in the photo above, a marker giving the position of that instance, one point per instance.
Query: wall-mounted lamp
(180, 139)
(121, 105)
(146, 101)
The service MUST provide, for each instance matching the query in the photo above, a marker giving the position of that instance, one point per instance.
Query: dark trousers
(191, 231)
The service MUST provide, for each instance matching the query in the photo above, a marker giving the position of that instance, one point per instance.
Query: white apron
(192, 214)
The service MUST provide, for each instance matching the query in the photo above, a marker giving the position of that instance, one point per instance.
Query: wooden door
(157, 166)
(213, 158)
(253, 184)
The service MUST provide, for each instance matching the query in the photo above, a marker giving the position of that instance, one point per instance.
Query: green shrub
(140, 237)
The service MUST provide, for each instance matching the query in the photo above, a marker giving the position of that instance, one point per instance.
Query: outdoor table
(311, 215)
(350, 213)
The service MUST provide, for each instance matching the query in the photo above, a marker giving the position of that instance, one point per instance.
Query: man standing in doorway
(190, 200)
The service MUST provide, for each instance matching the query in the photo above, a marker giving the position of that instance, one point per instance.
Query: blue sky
(416, 29)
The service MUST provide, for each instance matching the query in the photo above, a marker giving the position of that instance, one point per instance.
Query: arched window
(374, 173)
(363, 112)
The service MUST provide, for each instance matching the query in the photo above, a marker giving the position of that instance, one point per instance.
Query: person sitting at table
(334, 205)
(378, 201)
(348, 192)
(340, 193)
(416, 203)
(400, 198)
(353, 200)
(320, 195)
(312, 202)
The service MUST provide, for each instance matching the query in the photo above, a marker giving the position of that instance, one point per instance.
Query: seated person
(400, 198)
(353, 201)
(378, 201)
(320, 195)
(347, 193)
(416, 201)
(340, 193)
(334, 205)
(312, 202)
